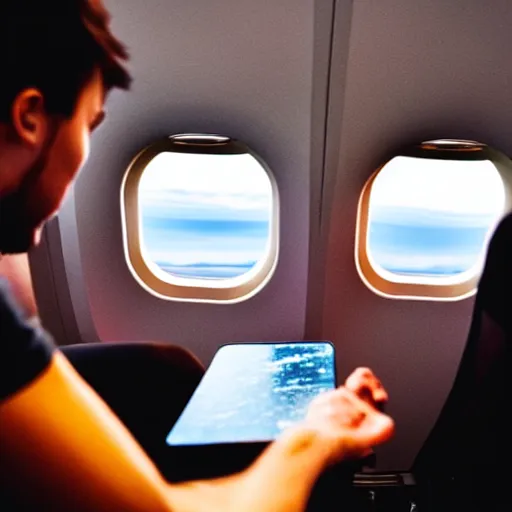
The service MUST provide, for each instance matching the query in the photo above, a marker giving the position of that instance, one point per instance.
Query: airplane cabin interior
(310, 170)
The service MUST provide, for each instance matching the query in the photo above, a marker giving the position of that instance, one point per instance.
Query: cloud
(183, 204)
(471, 187)
(426, 217)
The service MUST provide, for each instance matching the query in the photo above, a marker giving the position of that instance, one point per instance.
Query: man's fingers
(367, 386)
(345, 398)
(364, 426)
(376, 427)
(348, 409)
(354, 423)
(343, 401)
(378, 431)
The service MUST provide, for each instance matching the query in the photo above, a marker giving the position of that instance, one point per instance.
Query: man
(61, 447)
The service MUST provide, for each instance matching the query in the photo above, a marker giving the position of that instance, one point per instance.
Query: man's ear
(29, 118)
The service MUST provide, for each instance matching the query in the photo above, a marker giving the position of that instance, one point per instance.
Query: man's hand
(368, 387)
(340, 424)
(348, 420)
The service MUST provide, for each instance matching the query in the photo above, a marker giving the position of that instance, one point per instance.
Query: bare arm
(281, 480)
(340, 424)
(62, 447)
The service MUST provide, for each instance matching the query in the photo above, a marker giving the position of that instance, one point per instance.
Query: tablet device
(248, 395)
(252, 391)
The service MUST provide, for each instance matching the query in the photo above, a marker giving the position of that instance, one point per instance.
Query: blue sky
(432, 217)
(205, 210)
(212, 213)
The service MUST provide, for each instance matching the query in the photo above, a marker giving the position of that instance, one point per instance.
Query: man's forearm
(281, 479)
(288, 470)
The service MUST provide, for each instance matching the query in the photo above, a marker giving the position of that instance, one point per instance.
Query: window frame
(441, 291)
(223, 291)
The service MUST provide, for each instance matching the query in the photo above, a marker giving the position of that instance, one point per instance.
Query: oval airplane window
(200, 219)
(425, 219)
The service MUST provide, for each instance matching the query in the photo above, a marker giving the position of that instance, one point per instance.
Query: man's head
(59, 60)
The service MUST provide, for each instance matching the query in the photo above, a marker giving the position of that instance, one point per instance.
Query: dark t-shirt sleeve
(25, 350)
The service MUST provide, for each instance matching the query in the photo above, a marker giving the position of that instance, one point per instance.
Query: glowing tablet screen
(252, 391)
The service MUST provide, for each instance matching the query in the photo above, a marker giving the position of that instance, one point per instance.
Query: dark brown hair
(54, 46)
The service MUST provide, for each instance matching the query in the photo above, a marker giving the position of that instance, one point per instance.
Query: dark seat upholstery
(146, 384)
(464, 460)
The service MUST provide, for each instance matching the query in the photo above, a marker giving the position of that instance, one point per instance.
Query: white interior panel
(403, 71)
(239, 68)
(417, 70)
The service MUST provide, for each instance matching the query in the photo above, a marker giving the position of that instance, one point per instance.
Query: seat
(146, 384)
(463, 464)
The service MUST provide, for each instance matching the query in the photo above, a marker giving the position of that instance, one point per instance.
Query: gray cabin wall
(323, 113)
(244, 70)
(416, 71)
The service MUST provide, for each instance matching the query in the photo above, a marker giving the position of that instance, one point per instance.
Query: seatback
(468, 440)
(146, 384)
